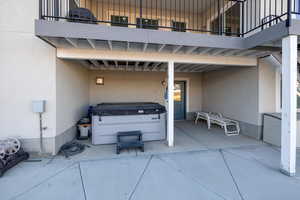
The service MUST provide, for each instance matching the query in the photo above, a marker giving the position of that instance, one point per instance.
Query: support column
(170, 125)
(289, 105)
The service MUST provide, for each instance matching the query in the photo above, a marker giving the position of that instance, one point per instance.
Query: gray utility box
(272, 129)
(110, 118)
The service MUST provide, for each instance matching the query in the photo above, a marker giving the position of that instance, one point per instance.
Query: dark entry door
(179, 100)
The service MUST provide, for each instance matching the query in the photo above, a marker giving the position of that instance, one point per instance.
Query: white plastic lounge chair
(217, 118)
(206, 116)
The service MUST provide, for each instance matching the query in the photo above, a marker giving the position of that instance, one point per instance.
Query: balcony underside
(135, 66)
(79, 35)
(120, 60)
(101, 39)
(103, 33)
(219, 25)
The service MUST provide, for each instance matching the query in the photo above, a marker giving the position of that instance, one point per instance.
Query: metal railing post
(56, 9)
(219, 17)
(40, 9)
(289, 13)
(243, 19)
(141, 14)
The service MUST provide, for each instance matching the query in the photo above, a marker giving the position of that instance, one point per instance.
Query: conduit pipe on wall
(39, 108)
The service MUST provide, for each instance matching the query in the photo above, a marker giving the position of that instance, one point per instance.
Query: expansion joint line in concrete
(50, 160)
(231, 174)
(249, 159)
(192, 178)
(82, 183)
(43, 181)
(141, 177)
(274, 148)
(187, 134)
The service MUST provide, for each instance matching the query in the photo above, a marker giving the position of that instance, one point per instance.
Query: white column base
(291, 174)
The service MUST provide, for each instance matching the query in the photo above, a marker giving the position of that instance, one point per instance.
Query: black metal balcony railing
(261, 14)
(223, 17)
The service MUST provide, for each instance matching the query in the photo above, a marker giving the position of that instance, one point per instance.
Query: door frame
(187, 93)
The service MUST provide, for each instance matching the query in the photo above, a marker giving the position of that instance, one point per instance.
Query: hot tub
(110, 118)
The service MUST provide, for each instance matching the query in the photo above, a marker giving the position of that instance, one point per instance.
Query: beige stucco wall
(267, 87)
(233, 92)
(27, 72)
(141, 86)
(30, 71)
(72, 94)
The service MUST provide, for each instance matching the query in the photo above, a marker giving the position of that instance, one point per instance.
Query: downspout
(273, 61)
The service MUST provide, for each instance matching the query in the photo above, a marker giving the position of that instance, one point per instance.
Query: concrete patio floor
(203, 165)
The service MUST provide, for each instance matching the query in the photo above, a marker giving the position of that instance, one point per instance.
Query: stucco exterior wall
(267, 88)
(141, 86)
(30, 71)
(234, 92)
(72, 99)
(27, 72)
(72, 94)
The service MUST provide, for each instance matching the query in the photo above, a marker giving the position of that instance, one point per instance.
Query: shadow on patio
(203, 165)
(188, 137)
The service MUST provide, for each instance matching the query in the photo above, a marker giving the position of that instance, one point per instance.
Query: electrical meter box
(38, 106)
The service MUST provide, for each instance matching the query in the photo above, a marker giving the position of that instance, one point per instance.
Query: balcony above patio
(214, 27)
